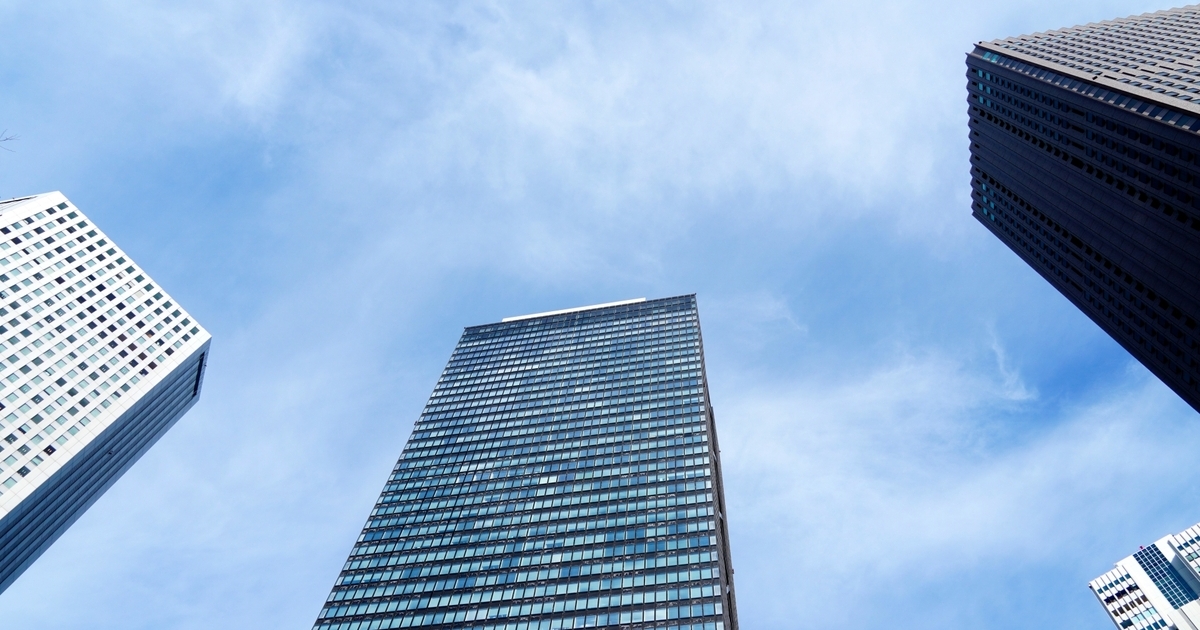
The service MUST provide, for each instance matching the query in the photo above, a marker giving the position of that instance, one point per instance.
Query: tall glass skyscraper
(1085, 161)
(564, 474)
(96, 363)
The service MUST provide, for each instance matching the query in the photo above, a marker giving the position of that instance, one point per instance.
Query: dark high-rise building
(564, 474)
(1085, 161)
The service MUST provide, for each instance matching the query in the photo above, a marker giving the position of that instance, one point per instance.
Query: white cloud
(430, 160)
(906, 476)
(1014, 387)
(692, 100)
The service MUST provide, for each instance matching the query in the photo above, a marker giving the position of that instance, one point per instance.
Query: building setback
(1155, 587)
(96, 363)
(1085, 161)
(564, 474)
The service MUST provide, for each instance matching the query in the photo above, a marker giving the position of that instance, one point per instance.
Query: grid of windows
(1165, 574)
(1154, 53)
(84, 332)
(1116, 98)
(562, 475)
(96, 363)
(1187, 544)
(1096, 185)
(1125, 602)
(1169, 583)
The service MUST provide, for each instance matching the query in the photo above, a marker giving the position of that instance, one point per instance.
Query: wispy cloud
(335, 189)
(894, 483)
(1014, 386)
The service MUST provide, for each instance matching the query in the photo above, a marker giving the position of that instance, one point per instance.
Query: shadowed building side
(1085, 161)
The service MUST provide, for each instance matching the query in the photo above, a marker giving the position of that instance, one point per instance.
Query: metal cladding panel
(564, 474)
(31, 527)
(1099, 192)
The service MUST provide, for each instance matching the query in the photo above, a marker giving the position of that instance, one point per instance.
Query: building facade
(1085, 161)
(564, 474)
(96, 363)
(1156, 587)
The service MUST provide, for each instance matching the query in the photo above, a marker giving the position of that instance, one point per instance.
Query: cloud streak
(906, 478)
(917, 431)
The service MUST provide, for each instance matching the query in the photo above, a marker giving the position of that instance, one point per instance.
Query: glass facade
(564, 474)
(1085, 161)
(1156, 587)
(1164, 576)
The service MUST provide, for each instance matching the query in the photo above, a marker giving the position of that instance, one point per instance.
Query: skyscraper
(1085, 161)
(564, 474)
(1155, 587)
(96, 363)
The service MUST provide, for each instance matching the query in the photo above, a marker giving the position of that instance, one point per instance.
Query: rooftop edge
(573, 310)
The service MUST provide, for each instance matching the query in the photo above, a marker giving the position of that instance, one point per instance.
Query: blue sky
(917, 431)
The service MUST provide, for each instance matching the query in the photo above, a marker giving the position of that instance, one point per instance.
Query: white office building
(96, 363)
(1155, 587)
